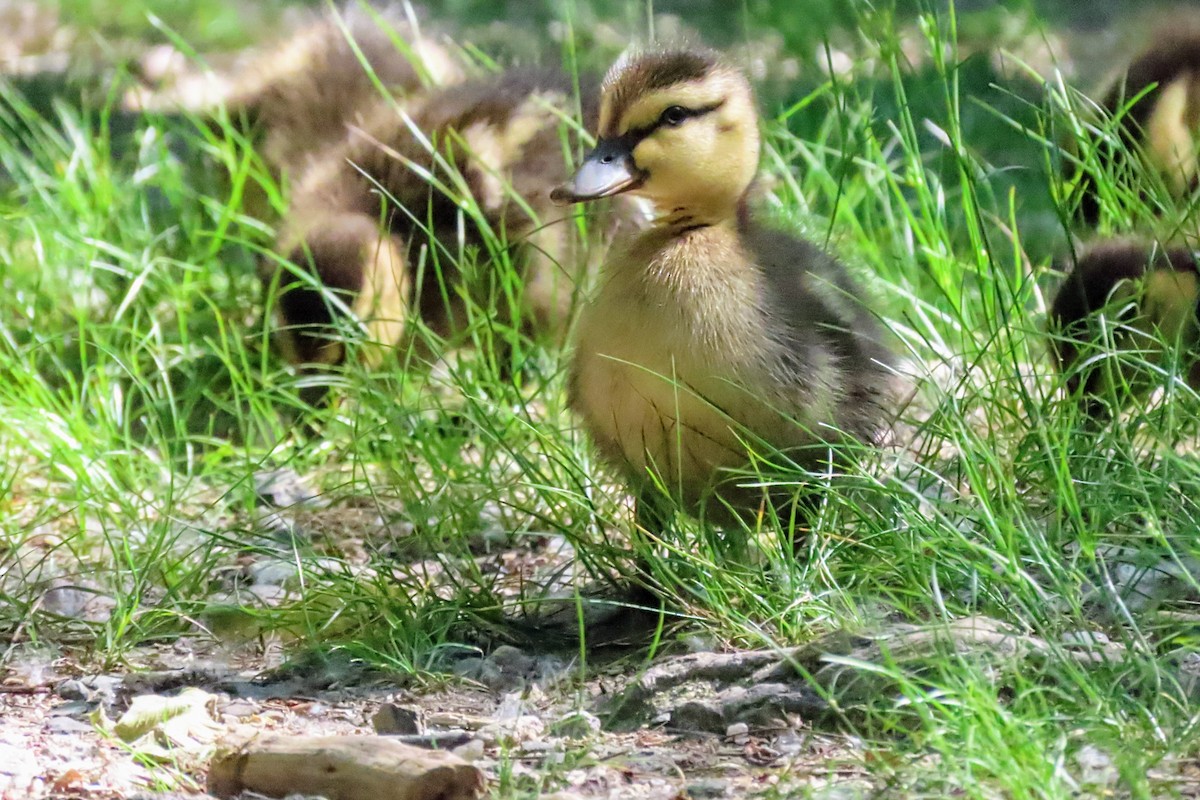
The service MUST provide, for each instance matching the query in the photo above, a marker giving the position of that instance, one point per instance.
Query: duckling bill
(609, 170)
(1153, 296)
(711, 335)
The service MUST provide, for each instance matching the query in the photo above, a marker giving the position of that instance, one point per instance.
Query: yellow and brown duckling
(304, 95)
(401, 169)
(379, 218)
(710, 334)
(1152, 293)
(1156, 107)
(298, 95)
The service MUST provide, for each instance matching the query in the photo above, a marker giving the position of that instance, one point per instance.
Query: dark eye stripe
(683, 113)
(637, 134)
(631, 138)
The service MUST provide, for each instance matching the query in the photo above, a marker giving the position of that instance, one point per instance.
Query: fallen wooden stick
(342, 768)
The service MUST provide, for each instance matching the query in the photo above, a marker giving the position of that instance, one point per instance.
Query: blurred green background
(792, 48)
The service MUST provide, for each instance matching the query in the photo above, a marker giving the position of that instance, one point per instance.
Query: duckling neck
(685, 214)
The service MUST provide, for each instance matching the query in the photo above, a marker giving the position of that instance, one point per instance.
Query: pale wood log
(342, 768)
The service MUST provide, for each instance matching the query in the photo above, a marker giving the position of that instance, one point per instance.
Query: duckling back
(298, 94)
(1133, 294)
(1152, 296)
(303, 94)
(824, 314)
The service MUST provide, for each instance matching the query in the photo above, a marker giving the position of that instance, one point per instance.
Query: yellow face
(694, 142)
(679, 133)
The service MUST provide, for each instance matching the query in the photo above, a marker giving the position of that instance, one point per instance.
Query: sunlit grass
(141, 398)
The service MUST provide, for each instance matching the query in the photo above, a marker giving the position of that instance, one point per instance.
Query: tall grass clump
(1006, 501)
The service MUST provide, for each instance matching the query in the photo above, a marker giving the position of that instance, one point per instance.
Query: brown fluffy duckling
(379, 218)
(710, 333)
(382, 158)
(1152, 292)
(298, 95)
(1157, 104)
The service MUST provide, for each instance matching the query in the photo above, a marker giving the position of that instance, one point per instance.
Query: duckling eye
(674, 115)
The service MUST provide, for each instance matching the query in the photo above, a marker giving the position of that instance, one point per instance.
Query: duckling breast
(676, 368)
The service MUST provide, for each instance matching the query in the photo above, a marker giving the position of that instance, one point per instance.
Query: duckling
(384, 139)
(710, 333)
(378, 219)
(298, 96)
(1157, 104)
(1153, 292)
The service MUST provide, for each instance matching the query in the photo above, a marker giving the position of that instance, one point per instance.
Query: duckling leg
(796, 514)
(653, 519)
(356, 268)
(653, 516)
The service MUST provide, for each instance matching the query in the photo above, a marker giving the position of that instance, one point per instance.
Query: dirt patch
(56, 737)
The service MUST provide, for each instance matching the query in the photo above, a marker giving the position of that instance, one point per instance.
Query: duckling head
(677, 127)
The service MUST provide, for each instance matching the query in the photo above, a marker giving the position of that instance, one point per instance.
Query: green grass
(204, 23)
(140, 397)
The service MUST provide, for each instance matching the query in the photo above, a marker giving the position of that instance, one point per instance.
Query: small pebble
(284, 488)
(238, 709)
(738, 733)
(471, 751)
(576, 725)
(396, 719)
(513, 731)
(68, 725)
(451, 720)
(74, 708)
(710, 787)
(513, 659)
(77, 603)
(790, 743)
(697, 716)
(72, 689)
(1095, 767)
(272, 572)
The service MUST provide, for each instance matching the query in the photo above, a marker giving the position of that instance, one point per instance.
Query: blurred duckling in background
(1151, 292)
(417, 209)
(305, 96)
(403, 171)
(1156, 108)
(297, 96)
(710, 334)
